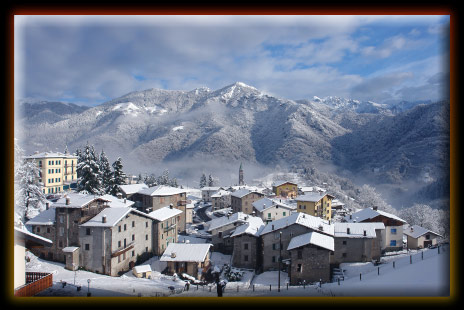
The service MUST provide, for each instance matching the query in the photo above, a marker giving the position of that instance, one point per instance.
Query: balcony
(170, 227)
(36, 282)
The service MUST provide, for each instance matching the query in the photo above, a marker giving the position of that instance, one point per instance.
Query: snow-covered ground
(424, 277)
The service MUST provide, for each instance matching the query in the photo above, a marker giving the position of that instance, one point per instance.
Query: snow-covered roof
(132, 188)
(300, 218)
(266, 203)
(415, 231)
(305, 189)
(252, 227)
(115, 202)
(19, 232)
(369, 213)
(313, 197)
(164, 213)
(282, 182)
(46, 217)
(210, 188)
(76, 200)
(50, 155)
(142, 268)
(113, 216)
(186, 252)
(226, 220)
(70, 249)
(357, 229)
(161, 190)
(315, 238)
(220, 193)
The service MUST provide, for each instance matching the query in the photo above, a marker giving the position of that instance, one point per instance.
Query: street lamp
(280, 257)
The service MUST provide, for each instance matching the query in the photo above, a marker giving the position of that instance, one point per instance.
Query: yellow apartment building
(315, 204)
(57, 170)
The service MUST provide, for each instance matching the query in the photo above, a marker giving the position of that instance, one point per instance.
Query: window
(125, 227)
(393, 231)
(344, 242)
(427, 237)
(87, 231)
(125, 242)
(220, 234)
(283, 213)
(146, 249)
(61, 231)
(269, 215)
(38, 229)
(146, 224)
(299, 268)
(146, 237)
(245, 246)
(392, 242)
(133, 237)
(48, 229)
(343, 254)
(300, 254)
(60, 244)
(276, 235)
(273, 259)
(245, 258)
(119, 244)
(87, 247)
(133, 253)
(119, 228)
(133, 223)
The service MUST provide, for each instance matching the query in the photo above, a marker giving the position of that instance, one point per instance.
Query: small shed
(71, 254)
(142, 271)
(192, 259)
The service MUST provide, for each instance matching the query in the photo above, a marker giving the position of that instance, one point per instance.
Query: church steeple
(240, 175)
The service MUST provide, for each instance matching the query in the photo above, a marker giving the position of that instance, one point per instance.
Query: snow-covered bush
(232, 274)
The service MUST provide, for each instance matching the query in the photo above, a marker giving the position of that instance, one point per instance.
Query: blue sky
(88, 60)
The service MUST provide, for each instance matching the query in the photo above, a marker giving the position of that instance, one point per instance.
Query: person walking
(219, 289)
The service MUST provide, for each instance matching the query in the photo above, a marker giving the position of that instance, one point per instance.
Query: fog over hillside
(401, 148)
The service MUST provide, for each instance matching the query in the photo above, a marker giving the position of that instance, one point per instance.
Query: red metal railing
(35, 283)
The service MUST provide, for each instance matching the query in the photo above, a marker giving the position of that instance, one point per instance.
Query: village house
(309, 256)
(303, 190)
(285, 189)
(208, 191)
(130, 191)
(270, 210)
(26, 283)
(357, 242)
(165, 228)
(296, 224)
(161, 196)
(220, 200)
(115, 202)
(192, 259)
(247, 245)
(60, 222)
(316, 204)
(242, 200)
(112, 241)
(221, 229)
(419, 237)
(393, 234)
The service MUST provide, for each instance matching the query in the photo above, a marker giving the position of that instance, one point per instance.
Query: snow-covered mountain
(240, 123)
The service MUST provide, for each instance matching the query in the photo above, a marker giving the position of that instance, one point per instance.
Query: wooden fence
(35, 283)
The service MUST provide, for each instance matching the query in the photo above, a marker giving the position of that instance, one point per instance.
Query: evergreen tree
(119, 177)
(28, 195)
(106, 172)
(203, 181)
(210, 181)
(90, 179)
(139, 181)
(173, 182)
(164, 178)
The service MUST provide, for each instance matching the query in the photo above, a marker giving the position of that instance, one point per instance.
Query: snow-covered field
(424, 277)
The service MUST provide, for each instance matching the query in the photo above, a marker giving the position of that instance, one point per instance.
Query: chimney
(47, 206)
(68, 201)
(364, 233)
(272, 226)
(104, 219)
(125, 200)
(170, 206)
(374, 208)
(348, 230)
(351, 216)
(173, 254)
(412, 229)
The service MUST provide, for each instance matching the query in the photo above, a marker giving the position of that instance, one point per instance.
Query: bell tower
(240, 175)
